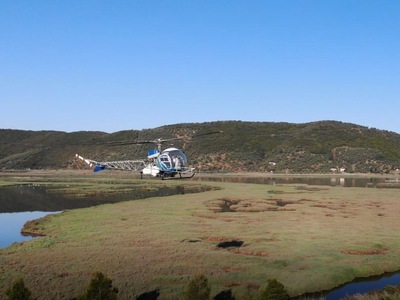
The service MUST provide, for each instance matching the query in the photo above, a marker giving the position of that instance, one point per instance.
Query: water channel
(310, 180)
(11, 224)
(19, 204)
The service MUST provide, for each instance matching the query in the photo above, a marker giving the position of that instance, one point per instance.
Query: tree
(198, 289)
(274, 291)
(100, 288)
(18, 291)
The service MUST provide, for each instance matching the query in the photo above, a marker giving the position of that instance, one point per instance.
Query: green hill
(242, 146)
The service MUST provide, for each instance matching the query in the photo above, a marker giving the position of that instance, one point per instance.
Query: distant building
(338, 170)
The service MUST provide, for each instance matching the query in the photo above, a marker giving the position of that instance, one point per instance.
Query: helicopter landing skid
(166, 176)
(188, 177)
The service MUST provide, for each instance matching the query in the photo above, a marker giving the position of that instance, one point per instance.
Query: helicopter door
(178, 162)
(177, 158)
(164, 162)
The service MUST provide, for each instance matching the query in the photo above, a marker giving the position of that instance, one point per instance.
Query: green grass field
(308, 238)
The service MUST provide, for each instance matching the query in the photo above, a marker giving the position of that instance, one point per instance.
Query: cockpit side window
(165, 160)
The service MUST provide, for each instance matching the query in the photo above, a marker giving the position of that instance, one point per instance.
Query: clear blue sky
(114, 65)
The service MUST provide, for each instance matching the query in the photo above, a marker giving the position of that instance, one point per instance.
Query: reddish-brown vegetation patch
(249, 253)
(214, 239)
(232, 270)
(249, 205)
(232, 284)
(31, 229)
(365, 252)
(389, 185)
(311, 189)
(320, 205)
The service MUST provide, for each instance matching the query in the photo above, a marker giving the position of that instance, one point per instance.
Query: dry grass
(309, 239)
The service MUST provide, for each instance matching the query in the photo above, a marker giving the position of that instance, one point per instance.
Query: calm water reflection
(329, 181)
(363, 286)
(36, 198)
(11, 224)
(19, 204)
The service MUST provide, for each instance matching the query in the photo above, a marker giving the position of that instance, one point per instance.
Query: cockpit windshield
(173, 158)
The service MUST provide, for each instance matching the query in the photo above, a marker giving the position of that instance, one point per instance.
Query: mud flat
(309, 238)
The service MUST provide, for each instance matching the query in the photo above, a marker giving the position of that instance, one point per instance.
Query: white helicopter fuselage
(167, 163)
(151, 169)
(170, 161)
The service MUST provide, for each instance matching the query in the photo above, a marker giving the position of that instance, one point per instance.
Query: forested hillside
(241, 146)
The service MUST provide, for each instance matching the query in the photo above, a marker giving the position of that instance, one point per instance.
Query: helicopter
(167, 163)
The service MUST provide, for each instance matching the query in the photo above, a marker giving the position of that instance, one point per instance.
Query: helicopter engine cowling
(151, 170)
(153, 153)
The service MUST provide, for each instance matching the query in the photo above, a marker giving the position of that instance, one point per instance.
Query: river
(19, 204)
(347, 181)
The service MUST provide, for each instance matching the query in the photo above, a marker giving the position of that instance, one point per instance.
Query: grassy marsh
(310, 239)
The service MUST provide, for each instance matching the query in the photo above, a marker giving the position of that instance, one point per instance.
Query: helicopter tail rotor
(87, 161)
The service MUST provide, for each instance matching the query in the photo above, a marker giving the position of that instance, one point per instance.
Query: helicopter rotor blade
(159, 141)
(156, 141)
(123, 143)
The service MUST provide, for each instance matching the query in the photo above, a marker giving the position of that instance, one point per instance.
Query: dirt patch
(233, 284)
(281, 202)
(226, 206)
(249, 253)
(232, 270)
(222, 205)
(249, 205)
(214, 239)
(191, 241)
(365, 252)
(320, 205)
(277, 192)
(388, 185)
(311, 189)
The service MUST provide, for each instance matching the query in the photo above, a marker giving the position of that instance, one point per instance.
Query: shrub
(100, 288)
(390, 289)
(274, 291)
(153, 295)
(224, 295)
(198, 289)
(18, 291)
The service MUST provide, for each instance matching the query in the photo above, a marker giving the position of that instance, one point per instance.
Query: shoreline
(43, 172)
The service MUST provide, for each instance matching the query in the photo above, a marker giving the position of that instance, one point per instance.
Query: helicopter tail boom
(130, 165)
